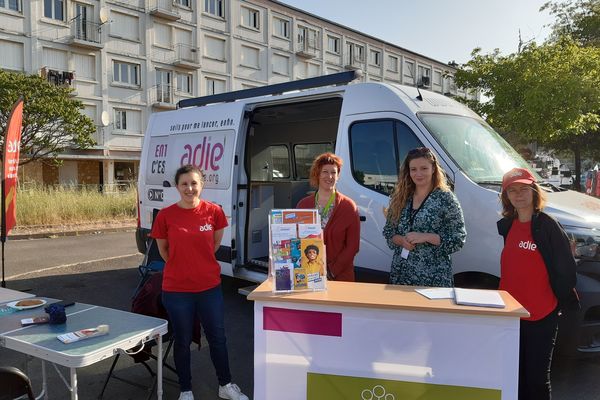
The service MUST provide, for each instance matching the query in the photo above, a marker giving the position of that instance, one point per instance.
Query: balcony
(85, 34)
(162, 96)
(164, 9)
(307, 49)
(354, 62)
(186, 56)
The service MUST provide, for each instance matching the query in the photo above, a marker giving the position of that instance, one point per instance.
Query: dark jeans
(208, 305)
(535, 357)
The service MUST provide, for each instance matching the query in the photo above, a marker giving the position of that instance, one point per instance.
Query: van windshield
(481, 153)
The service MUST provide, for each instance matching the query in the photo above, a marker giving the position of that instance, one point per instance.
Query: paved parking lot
(111, 284)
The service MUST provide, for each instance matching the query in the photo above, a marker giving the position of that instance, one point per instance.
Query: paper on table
(437, 293)
(479, 298)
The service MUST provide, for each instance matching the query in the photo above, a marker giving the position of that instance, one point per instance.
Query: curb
(78, 232)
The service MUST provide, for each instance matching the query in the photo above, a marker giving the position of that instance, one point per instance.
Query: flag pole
(3, 234)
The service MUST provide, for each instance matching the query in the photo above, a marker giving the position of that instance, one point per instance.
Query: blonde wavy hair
(405, 187)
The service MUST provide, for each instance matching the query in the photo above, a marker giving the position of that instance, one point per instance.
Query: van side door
(373, 147)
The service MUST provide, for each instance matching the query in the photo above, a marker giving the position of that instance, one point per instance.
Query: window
(378, 147)
(249, 57)
(375, 57)
(163, 35)
(250, 18)
(409, 71)
(273, 162)
(85, 66)
(437, 78)
(54, 9)
(304, 155)
(214, 48)
(14, 5)
(214, 86)
(184, 83)
(281, 27)
(333, 44)
(354, 53)
(215, 7)
(392, 64)
(185, 3)
(126, 73)
(424, 76)
(124, 26)
(12, 56)
(308, 38)
(281, 64)
(121, 120)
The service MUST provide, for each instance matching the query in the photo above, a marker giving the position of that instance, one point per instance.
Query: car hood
(574, 209)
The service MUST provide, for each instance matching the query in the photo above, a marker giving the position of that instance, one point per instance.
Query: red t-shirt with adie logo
(192, 265)
(524, 274)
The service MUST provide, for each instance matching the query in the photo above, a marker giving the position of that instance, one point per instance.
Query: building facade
(128, 58)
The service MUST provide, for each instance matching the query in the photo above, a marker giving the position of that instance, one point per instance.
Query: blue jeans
(208, 305)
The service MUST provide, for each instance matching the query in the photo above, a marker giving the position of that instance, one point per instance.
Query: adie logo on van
(206, 227)
(528, 245)
(205, 155)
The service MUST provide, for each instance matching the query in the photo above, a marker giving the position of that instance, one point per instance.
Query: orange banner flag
(12, 144)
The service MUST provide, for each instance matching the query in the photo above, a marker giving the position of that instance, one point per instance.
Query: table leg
(44, 380)
(159, 368)
(73, 383)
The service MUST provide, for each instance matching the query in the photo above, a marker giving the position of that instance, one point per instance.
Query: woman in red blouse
(339, 217)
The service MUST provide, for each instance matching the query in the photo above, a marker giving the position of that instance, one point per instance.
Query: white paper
(404, 253)
(309, 231)
(281, 232)
(478, 297)
(437, 293)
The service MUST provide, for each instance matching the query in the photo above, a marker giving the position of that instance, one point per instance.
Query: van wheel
(476, 280)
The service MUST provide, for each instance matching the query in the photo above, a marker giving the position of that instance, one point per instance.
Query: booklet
(40, 319)
(478, 298)
(83, 334)
(283, 275)
(307, 231)
(300, 216)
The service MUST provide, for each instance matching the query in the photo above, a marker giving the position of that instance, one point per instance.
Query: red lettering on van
(204, 155)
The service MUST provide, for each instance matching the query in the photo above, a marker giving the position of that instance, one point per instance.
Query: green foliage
(66, 206)
(578, 19)
(52, 120)
(548, 93)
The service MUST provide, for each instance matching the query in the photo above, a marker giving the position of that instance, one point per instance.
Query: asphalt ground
(111, 284)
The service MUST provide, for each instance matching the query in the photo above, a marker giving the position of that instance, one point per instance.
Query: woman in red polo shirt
(339, 217)
(538, 270)
(188, 233)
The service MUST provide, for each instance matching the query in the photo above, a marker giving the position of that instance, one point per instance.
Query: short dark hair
(185, 169)
(311, 247)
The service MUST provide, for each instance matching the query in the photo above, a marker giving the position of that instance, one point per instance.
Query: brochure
(310, 231)
(40, 319)
(83, 334)
(300, 216)
(283, 275)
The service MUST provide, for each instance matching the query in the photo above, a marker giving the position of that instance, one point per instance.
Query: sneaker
(231, 391)
(186, 395)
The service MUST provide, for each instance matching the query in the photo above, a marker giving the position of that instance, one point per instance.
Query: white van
(256, 147)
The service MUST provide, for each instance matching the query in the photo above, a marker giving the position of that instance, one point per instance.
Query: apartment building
(128, 58)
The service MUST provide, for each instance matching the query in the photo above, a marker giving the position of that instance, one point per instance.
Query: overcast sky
(440, 29)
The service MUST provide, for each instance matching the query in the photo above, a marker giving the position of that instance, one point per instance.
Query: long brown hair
(539, 201)
(405, 187)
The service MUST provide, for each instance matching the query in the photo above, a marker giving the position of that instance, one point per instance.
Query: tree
(578, 19)
(548, 93)
(52, 121)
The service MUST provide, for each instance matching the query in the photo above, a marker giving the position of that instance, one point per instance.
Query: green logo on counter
(339, 387)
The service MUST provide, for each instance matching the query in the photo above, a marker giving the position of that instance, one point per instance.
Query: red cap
(517, 175)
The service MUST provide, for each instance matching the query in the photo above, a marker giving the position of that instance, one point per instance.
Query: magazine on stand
(297, 251)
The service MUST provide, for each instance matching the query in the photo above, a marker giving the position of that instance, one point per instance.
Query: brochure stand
(297, 259)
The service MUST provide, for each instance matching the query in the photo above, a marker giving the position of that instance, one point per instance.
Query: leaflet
(310, 231)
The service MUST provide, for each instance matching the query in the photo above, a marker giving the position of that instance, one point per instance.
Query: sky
(444, 30)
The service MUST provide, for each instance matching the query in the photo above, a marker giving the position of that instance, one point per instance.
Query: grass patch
(42, 206)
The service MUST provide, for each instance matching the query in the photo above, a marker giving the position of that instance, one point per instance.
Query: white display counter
(372, 341)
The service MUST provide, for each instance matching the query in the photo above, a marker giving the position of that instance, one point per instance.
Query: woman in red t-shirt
(339, 217)
(538, 270)
(188, 233)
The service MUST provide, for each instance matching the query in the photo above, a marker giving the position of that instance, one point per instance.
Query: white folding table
(127, 330)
